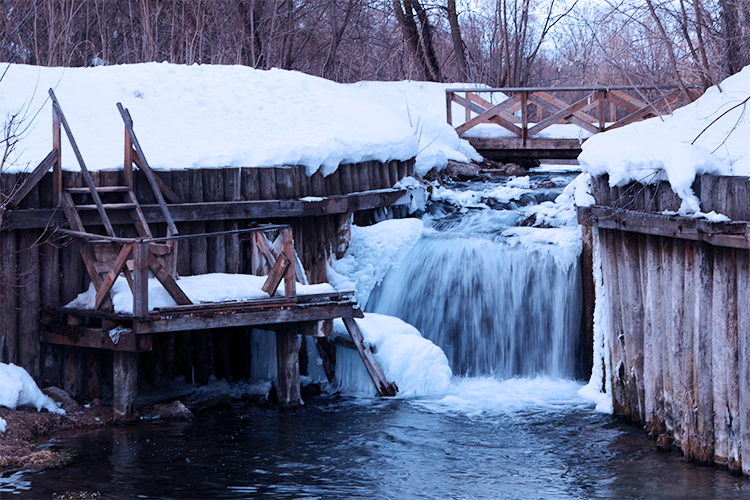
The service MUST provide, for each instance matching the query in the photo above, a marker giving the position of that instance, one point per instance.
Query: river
(504, 303)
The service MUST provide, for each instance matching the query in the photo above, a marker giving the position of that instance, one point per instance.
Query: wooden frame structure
(92, 212)
(528, 111)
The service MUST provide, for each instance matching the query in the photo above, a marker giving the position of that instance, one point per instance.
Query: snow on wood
(210, 116)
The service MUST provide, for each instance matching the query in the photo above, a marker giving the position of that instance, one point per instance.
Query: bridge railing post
(448, 106)
(524, 117)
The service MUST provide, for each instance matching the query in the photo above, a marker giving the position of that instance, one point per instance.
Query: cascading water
(495, 304)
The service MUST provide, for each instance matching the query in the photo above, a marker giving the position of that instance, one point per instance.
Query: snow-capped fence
(519, 126)
(678, 311)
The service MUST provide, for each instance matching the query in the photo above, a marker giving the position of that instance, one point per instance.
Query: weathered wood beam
(731, 234)
(385, 388)
(79, 336)
(235, 210)
(287, 367)
(202, 320)
(32, 180)
(276, 275)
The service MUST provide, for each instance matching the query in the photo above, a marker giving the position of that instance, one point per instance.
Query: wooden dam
(61, 231)
(678, 314)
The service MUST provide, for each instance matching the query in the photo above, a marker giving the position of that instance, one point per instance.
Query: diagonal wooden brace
(276, 274)
(109, 281)
(170, 285)
(384, 387)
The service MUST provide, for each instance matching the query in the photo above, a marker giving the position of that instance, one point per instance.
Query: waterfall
(494, 305)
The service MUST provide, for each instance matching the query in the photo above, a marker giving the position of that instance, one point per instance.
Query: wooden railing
(528, 111)
(138, 256)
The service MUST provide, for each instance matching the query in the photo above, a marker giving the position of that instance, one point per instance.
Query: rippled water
(342, 448)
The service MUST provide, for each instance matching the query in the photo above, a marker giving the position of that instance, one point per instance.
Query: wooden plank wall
(679, 334)
(39, 272)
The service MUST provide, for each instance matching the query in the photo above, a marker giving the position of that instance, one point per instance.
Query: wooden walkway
(527, 112)
(98, 216)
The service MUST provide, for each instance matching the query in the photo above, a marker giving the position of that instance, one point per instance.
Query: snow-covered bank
(707, 136)
(17, 388)
(213, 116)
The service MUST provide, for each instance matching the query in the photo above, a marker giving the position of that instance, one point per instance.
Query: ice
(490, 396)
(214, 287)
(416, 365)
(708, 136)
(17, 388)
(372, 251)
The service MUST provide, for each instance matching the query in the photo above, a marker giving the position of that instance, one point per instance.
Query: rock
(663, 442)
(221, 401)
(60, 396)
(462, 171)
(174, 410)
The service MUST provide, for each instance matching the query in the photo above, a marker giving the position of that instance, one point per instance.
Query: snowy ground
(213, 116)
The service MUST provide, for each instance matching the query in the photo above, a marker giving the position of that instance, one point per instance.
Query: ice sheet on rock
(205, 116)
(235, 389)
(416, 365)
(214, 287)
(17, 388)
(490, 396)
(373, 250)
(708, 136)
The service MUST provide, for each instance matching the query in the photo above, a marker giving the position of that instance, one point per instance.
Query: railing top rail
(115, 239)
(562, 89)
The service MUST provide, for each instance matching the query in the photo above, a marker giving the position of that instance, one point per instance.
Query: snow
(17, 388)
(216, 116)
(490, 396)
(422, 105)
(416, 365)
(214, 287)
(373, 250)
(708, 136)
(555, 131)
(564, 244)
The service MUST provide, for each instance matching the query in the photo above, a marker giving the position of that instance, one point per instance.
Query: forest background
(501, 43)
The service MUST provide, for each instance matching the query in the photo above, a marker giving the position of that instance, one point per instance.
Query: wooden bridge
(551, 123)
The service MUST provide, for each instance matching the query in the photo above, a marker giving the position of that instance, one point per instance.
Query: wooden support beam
(237, 210)
(384, 387)
(32, 180)
(277, 273)
(125, 375)
(731, 234)
(167, 281)
(287, 373)
(237, 316)
(95, 338)
(113, 274)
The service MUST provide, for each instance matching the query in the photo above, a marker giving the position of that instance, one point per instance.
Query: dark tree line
(497, 42)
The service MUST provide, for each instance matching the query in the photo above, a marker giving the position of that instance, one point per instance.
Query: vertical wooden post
(287, 359)
(127, 165)
(140, 280)
(290, 284)
(448, 110)
(57, 169)
(601, 95)
(524, 117)
(468, 110)
(125, 372)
